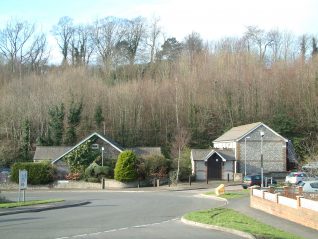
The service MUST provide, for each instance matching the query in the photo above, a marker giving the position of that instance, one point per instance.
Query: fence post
(286, 188)
(300, 191)
(299, 201)
(276, 197)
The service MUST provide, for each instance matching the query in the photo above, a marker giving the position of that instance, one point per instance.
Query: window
(314, 185)
(95, 146)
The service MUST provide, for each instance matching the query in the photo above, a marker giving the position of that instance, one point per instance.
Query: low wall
(65, 184)
(300, 210)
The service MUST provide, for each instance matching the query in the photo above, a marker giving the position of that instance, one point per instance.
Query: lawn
(28, 203)
(229, 218)
(231, 195)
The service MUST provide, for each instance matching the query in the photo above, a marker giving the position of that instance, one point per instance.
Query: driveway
(112, 215)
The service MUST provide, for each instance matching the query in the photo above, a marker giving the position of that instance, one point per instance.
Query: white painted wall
(225, 145)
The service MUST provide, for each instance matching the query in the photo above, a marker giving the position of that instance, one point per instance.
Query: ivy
(81, 157)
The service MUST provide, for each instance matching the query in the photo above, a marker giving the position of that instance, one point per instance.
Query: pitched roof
(113, 144)
(49, 152)
(144, 151)
(199, 154)
(205, 154)
(237, 133)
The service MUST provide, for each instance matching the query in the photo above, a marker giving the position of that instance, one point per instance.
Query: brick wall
(306, 217)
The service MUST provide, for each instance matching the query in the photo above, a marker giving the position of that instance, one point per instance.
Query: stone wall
(274, 152)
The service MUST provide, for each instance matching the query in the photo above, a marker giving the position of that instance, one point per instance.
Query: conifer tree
(73, 120)
(56, 124)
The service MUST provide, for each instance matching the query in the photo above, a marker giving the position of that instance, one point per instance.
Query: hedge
(38, 173)
(126, 167)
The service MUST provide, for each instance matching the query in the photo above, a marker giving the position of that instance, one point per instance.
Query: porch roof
(205, 154)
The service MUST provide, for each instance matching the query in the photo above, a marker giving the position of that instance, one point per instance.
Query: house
(239, 150)
(108, 148)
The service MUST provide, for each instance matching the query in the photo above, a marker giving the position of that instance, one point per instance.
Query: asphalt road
(111, 215)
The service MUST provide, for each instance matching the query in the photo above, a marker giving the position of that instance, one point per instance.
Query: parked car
(309, 186)
(296, 177)
(251, 180)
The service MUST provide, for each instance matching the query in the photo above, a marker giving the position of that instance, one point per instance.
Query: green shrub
(185, 167)
(126, 167)
(38, 173)
(154, 166)
(96, 171)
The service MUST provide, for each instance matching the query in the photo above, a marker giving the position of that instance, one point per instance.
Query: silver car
(309, 186)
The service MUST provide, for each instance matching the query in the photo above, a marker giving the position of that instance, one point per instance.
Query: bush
(126, 167)
(154, 166)
(96, 171)
(185, 167)
(38, 173)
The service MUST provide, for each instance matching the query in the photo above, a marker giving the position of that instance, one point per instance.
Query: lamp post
(102, 156)
(262, 170)
(248, 137)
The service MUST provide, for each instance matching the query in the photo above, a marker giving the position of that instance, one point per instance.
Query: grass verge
(231, 195)
(225, 217)
(28, 203)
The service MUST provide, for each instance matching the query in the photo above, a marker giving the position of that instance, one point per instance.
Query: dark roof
(49, 152)
(144, 151)
(205, 154)
(199, 154)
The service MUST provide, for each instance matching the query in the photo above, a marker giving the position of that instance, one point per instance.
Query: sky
(212, 19)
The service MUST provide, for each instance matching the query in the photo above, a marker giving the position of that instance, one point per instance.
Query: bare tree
(181, 140)
(82, 45)
(303, 43)
(38, 54)
(259, 38)
(107, 34)
(135, 34)
(13, 42)
(288, 43)
(63, 32)
(154, 33)
(275, 37)
(193, 44)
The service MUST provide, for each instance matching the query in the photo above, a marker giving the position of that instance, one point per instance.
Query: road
(111, 215)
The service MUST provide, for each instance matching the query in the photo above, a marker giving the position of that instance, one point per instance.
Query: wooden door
(215, 167)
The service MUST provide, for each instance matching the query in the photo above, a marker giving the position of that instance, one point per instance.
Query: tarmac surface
(181, 190)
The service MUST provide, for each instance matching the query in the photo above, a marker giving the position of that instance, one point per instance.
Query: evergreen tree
(73, 120)
(314, 47)
(98, 116)
(25, 141)
(56, 125)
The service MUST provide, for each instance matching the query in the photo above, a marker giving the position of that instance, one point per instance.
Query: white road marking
(118, 229)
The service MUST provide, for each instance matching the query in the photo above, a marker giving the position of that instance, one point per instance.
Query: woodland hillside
(143, 93)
